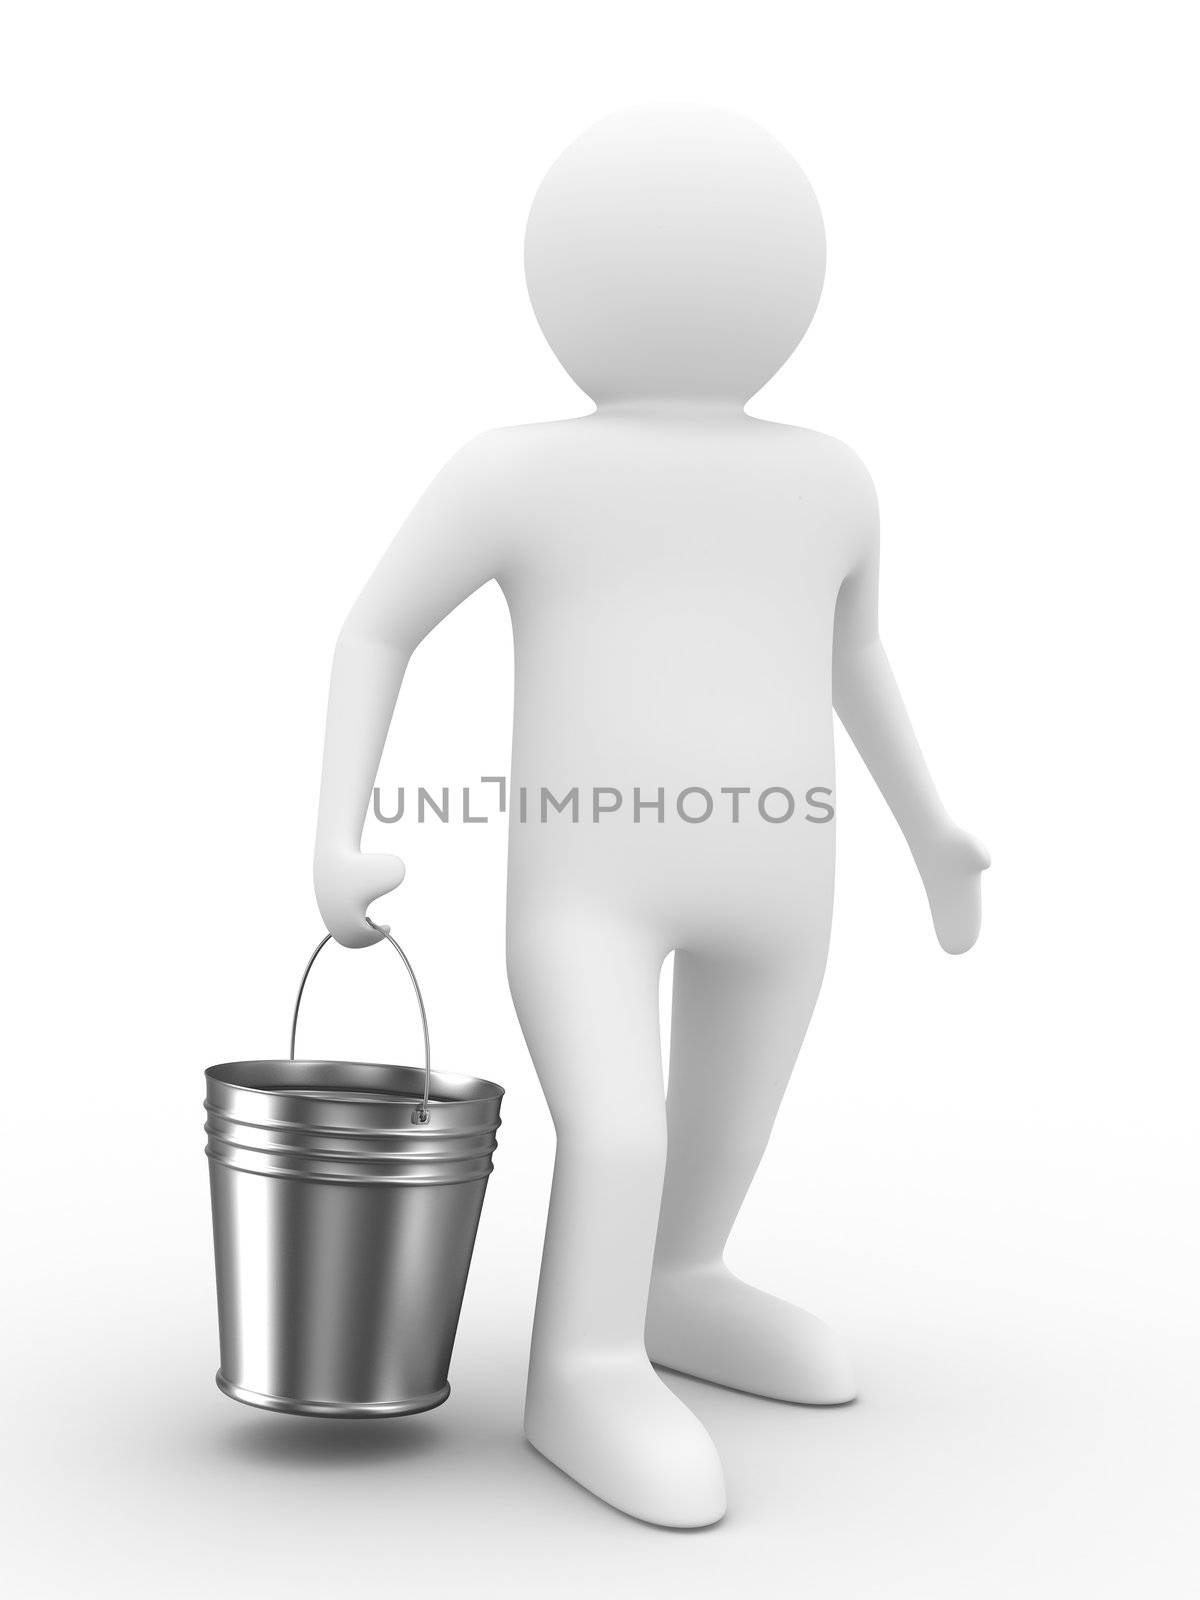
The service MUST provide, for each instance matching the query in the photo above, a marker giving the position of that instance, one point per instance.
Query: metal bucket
(345, 1200)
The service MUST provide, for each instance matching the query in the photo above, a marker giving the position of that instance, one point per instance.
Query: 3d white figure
(692, 593)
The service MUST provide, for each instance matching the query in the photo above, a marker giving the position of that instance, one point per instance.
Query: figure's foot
(705, 1322)
(615, 1427)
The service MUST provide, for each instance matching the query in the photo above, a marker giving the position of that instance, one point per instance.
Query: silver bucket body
(343, 1229)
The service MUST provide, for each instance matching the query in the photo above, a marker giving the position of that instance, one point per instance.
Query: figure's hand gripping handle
(347, 882)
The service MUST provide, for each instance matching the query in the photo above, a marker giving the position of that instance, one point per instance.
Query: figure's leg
(586, 992)
(737, 1026)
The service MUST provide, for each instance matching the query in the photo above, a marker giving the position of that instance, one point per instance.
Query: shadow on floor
(304, 1442)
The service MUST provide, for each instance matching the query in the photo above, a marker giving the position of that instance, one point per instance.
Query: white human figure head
(674, 253)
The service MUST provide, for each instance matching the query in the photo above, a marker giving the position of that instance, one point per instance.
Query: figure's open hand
(346, 883)
(953, 874)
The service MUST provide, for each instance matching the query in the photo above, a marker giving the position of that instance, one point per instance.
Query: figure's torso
(672, 589)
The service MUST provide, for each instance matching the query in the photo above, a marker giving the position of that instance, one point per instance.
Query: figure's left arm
(867, 700)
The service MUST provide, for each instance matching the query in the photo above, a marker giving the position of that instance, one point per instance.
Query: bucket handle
(420, 1113)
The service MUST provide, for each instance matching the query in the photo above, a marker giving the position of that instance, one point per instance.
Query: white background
(262, 275)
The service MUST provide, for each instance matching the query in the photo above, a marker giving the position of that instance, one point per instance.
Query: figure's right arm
(444, 552)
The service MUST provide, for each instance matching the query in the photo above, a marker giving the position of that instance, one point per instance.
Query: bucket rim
(465, 1089)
